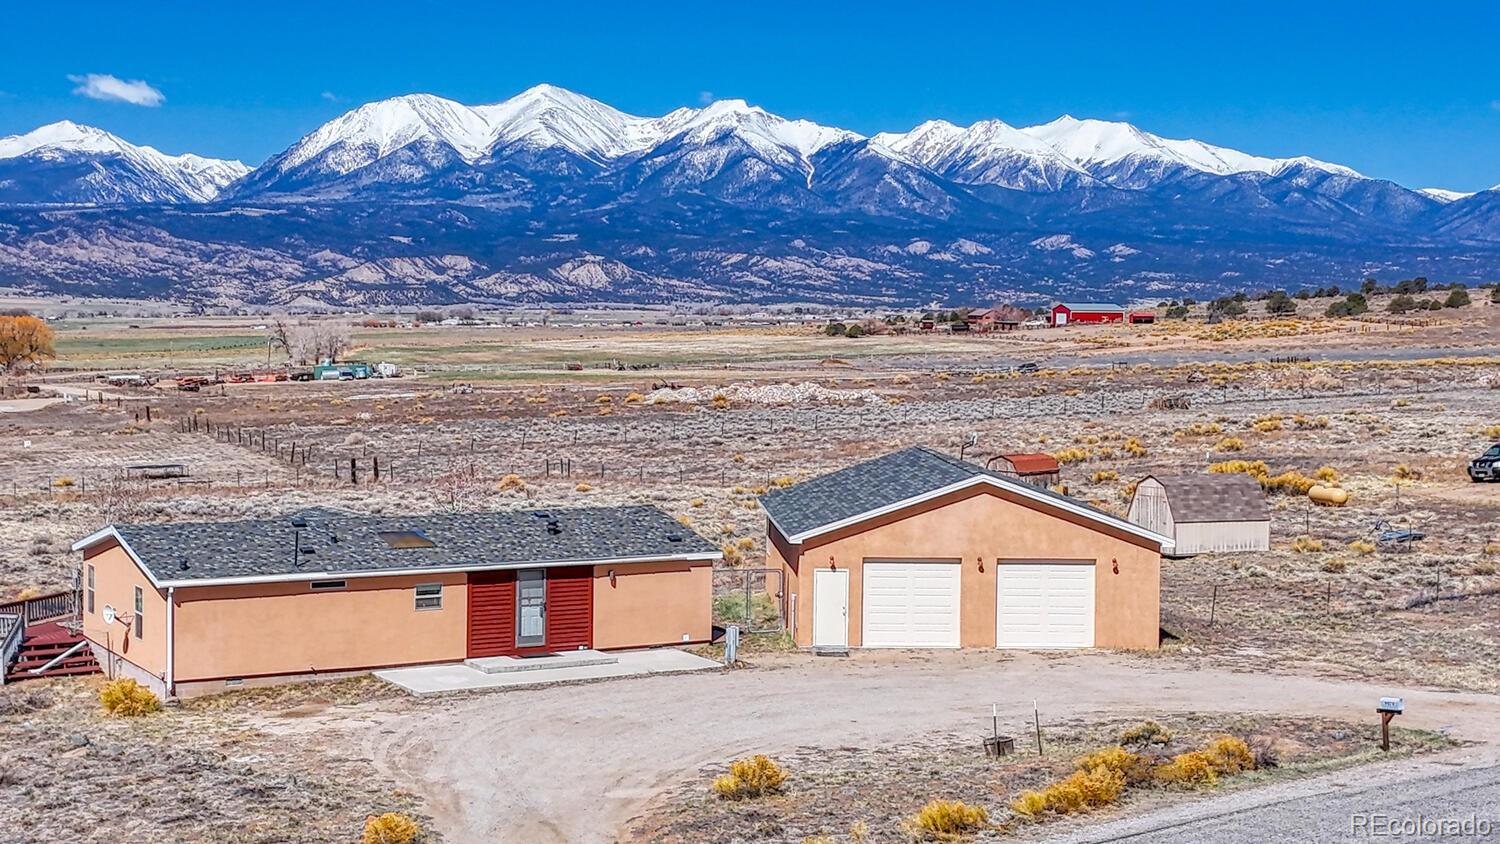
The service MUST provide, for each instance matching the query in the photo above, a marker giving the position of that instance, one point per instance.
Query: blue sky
(1400, 91)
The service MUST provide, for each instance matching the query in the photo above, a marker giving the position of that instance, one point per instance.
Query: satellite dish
(109, 614)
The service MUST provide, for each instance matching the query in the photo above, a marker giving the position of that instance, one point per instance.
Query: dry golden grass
(1193, 769)
(1363, 547)
(751, 777)
(1135, 448)
(1307, 544)
(584, 486)
(946, 820)
(1229, 444)
(1105, 476)
(390, 828)
(1267, 424)
(1403, 472)
(510, 482)
(1071, 455)
(128, 699)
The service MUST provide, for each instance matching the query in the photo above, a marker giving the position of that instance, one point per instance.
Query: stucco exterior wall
(653, 604)
(286, 628)
(116, 577)
(977, 527)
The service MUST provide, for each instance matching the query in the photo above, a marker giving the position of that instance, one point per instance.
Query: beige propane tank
(1328, 496)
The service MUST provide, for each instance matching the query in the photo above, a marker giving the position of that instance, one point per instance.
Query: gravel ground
(590, 763)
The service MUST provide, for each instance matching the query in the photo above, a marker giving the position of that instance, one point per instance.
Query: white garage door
(1045, 605)
(910, 605)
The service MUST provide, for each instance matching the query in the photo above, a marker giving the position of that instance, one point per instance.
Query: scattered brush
(128, 699)
(1229, 444)
(1306, 544)
(751, 777)
(946, 820)
(390, 828)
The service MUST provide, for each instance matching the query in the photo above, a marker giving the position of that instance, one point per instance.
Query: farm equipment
(1391, 538)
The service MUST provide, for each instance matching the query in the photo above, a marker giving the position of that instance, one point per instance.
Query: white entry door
(910, 605)
(1045, 605)
(1062, 318)
(830, 608)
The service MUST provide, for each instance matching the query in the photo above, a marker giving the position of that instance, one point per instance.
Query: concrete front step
(566, 659)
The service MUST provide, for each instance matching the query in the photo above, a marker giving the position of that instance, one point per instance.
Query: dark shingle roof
(1215, 498)
(881, 482)
(343, 543)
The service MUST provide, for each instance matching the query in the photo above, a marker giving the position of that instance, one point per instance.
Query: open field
(714, 417)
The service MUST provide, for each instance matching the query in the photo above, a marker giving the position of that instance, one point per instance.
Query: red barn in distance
(1087, 313)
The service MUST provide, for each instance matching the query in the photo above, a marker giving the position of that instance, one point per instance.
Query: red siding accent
(570, 608)
(492, 612)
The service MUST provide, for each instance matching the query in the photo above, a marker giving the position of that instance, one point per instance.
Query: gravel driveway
(577, 763)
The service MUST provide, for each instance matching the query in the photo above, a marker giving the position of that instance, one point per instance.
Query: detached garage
(917, 549)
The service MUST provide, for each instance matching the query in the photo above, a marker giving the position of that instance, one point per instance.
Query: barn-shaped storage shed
(1204, 513)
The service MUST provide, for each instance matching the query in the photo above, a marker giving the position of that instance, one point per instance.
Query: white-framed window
(326, 585)
(88, 592)
(429, 596)
(140, 606)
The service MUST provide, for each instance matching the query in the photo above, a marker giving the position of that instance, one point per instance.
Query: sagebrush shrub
(128, 699)
(947, 819)
(753, 776)
(1230, 755)
(1146, 732)
(1132, 766)
(390, 828)
(1188, 770)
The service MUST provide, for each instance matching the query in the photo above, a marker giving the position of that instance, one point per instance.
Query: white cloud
(102, 86)
(330, 96)
(705, 97)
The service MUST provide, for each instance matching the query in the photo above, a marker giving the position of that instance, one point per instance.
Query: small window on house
(140, 607)
(429, 596)
(88, 593)
(326, 585)
(403, 539)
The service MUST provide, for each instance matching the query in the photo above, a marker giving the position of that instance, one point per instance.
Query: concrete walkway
(424, 680)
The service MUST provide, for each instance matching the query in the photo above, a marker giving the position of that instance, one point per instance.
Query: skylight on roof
(402, 539)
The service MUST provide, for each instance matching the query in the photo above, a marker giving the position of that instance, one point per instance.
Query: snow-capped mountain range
(66, 163)
(715, 198)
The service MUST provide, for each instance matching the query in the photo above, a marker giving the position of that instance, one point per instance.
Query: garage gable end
(910, 478)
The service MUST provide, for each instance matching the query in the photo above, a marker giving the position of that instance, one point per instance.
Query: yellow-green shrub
(1267, 424)
(1134, 447)
(1133, 767)
(127, 698)
(1193, 769)
(1327, 474)
(946, 820)
(390, 828)
(1105, 476)
(1362, 547)
(1305, 544)
(1230, 755)
(752, 776)
(1146, 732)
(1071, 455)
(1230, 444)
(1084, 790)
(1029, 804)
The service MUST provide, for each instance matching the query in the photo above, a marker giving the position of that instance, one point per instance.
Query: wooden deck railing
(42, 607)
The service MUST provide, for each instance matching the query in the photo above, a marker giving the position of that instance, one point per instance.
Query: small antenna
(970, 440)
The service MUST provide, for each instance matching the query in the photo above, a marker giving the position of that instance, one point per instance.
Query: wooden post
(1385, 730)
(353, 471)
(1213, 606)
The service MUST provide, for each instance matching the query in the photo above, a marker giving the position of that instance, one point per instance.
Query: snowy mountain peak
(989, 152)
(377, 129)
(1117, 149)
(119, 172)
(1445, 196)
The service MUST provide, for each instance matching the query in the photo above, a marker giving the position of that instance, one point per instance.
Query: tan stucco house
(920, 549)
(191, 608)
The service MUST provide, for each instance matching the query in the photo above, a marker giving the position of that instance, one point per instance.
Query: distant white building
(1204, 513)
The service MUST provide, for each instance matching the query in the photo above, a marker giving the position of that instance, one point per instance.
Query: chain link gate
(749, 597)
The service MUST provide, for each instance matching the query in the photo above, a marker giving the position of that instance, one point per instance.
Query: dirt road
(577, 763)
